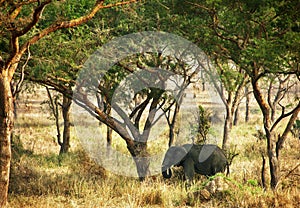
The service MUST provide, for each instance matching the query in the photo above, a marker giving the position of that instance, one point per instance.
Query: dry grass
(41, 178)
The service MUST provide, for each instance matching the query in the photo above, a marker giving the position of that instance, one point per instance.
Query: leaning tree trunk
(6, 127)
(66, 105)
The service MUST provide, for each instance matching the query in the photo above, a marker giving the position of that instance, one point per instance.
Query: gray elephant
(205, 159)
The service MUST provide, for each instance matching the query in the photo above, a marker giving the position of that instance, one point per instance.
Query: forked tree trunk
(6, 126)
(270, 135)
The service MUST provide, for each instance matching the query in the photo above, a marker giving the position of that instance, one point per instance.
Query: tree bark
(64, 147)
(247, 113)
(273, 159)
(227, 127)
(263, 170)
(172, 124)
(140, 156)
(236, 115)
(6, 126)
(271, 137)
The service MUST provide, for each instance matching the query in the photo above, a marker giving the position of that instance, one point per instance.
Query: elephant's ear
(206, 151)
(187, 147)
(180, 155)
(175, 155)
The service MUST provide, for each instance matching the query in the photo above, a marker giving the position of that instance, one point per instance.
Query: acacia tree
(262, 38)
(139, 75)
(230, 89)
(18, 22)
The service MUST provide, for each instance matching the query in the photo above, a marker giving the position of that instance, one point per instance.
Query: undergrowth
(73, 180)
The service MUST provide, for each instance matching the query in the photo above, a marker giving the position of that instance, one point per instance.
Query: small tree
(64, 107)
(202, 126)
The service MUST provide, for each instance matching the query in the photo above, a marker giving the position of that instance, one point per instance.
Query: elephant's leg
(189, 170)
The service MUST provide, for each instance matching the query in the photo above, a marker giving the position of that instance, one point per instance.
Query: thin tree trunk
(173, 124)
(6, 126)
(236, 115)
(64, 148)
(273, 160)
(247, 113)
(171, 135)
(108, 136)
(54, 106)
(263, 170)
(227, 128)
(108, 130)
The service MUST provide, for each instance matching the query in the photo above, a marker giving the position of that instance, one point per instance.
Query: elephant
(207, 159)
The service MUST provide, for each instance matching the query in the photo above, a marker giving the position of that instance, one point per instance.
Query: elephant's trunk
(167, 173)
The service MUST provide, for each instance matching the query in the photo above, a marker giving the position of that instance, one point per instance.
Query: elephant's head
(174, 156)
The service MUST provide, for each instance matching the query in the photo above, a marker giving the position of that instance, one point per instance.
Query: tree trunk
(236, 115)
(172, 124)
(227, 128)
(171, 135)
(108, 136)
(141, 158)
(6, 127)
(273, 159)
(66, 105)
(247, 113)
(270, 135)
(263, 170)
(109, 141)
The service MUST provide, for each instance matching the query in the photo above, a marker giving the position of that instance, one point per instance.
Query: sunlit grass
(42, 178)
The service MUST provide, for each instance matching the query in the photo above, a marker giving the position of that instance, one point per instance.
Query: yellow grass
(41, 178)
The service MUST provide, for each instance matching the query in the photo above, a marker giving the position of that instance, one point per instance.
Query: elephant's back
(211, 159)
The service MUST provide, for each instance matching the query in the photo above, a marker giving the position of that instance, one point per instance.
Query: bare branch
(284, 115)
(292, 170)
(22, 75)
(288, 127)
(54, 107)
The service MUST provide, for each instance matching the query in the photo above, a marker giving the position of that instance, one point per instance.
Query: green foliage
(252, 182)
(202, 127)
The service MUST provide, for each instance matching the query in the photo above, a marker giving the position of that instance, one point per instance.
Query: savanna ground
(41, 178)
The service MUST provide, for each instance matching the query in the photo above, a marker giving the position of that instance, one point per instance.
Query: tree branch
(288, 127)
(14, 59)
(36, 17)
(22, 75)
(292, 112)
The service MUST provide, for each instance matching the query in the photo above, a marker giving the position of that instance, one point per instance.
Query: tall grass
(42, 178)
(73, 180)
